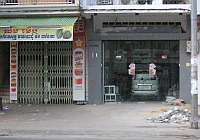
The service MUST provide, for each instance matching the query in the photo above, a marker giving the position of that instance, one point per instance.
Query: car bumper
(145, 93)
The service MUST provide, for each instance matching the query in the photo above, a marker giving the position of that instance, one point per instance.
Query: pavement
(112, 121)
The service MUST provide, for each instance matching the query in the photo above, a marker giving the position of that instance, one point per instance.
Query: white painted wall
(198, 7)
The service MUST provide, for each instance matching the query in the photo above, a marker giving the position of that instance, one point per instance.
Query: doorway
(118, 55)
(5, 70)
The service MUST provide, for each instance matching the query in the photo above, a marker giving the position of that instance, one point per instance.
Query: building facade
(124, 33)
(42, 51)
(92, 63)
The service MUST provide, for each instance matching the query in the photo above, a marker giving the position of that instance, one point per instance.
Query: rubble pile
(170, 100)
(175, 115)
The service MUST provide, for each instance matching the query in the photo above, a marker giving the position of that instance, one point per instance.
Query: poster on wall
(79, 62)
(13, 71)
(79, 71)
(64, 33)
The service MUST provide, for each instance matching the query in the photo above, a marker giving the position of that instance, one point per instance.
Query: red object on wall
(79, 81)
(79, 45)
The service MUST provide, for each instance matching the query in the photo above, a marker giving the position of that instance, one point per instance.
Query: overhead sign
(64, 33)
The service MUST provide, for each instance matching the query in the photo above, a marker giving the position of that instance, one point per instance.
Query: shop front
(138, 57)
(142, 70)
(44, 59)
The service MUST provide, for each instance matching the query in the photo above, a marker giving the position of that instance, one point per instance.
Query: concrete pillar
(198, 79)
(184, 72)
(198, 38)
(1, 66)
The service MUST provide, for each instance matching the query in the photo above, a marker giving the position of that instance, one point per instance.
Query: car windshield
(142, 69)
(142, 72)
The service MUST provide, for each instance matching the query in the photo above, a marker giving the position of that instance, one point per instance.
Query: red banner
(13, 70)
(79, 61)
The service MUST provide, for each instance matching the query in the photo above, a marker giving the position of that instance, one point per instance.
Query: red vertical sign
(13, 70)
(79, 61)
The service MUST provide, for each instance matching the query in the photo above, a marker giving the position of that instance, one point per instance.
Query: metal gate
(45, 72)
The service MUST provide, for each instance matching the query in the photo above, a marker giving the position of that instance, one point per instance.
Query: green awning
(52, 21)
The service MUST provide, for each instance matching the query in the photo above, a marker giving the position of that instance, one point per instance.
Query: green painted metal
(54, 21)
(45, 72)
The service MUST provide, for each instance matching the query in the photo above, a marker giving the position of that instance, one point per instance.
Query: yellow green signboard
(20, 33)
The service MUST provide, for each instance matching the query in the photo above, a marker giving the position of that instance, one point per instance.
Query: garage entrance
(45, 72)
(162, 55)
(4, 71)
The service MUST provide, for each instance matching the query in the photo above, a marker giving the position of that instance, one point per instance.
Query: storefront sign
(64, 33)
(13, 71)
(79, 71)
(79, 63)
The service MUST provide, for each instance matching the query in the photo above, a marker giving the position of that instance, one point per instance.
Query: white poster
(13, 70)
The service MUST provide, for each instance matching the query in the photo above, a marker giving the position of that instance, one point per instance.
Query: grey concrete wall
(97, 32)
(94, 92)
(86, 74)
(185, 72)
(198, 38)
(95, 86)
(185, 66)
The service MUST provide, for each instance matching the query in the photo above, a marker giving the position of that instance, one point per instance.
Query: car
(145, 85)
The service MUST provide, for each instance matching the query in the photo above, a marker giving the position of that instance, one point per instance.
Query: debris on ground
(170, 100)
(5, 108)
(174, 115)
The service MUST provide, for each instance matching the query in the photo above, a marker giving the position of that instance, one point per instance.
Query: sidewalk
(108, 121)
